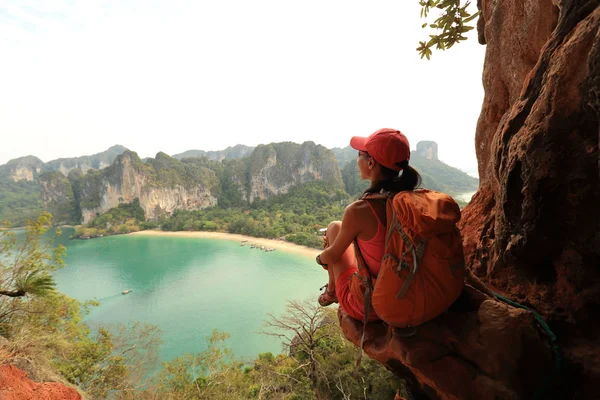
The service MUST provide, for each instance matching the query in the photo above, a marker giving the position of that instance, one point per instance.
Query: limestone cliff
(274, 168)
(427, 149)
(28, 186)
(162, 185)
(29, 167)
(58, 197)
(24, 168)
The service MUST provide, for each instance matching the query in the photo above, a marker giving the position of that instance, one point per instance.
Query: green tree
(320, 361)
(209, 374)
(26, 269)
(301, 330)
(353, 183)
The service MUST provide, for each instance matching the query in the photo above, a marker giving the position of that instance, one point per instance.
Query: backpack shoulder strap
(383, 195)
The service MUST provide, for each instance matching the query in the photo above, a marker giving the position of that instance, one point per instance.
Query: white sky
(77, 77)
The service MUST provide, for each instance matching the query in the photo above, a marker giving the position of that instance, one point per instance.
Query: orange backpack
(423, 269)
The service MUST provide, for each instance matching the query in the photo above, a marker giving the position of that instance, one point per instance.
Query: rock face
(428, 150)
(162, 185)
(276, 167)
(58, 198)
(14, 385)
(480, 349)
(532, 231)
(28, 168)
(24, 168)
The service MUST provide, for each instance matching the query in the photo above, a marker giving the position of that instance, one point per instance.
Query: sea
(188, 287)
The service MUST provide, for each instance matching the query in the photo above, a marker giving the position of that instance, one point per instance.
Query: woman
(381, 158)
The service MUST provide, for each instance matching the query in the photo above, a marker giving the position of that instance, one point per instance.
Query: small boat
(252, 246)
(126, 291)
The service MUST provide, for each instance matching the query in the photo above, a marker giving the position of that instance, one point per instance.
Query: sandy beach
(269, 243)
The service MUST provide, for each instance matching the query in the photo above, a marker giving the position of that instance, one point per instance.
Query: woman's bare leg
(348, 258)
(332, 231)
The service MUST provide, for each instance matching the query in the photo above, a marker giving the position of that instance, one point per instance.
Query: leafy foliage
(36, 283)
(296, 215)
(25, 268)
(19, 201)
(209, 374)
(125, 218)
(317, 364)
(344, 155)
(353, 183)
(452, 24)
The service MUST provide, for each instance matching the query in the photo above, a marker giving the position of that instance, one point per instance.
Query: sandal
(327, 297)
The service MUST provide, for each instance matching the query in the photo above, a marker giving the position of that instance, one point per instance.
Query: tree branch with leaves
(452, 24)
(26, 267)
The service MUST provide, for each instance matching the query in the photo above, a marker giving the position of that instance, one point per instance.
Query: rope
(541, 392)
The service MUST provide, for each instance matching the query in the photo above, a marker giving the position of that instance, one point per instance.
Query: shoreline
(271, 243)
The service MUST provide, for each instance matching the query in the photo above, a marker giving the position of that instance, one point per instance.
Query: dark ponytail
(394, 182)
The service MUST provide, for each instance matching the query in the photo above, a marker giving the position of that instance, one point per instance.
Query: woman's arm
(348, 231)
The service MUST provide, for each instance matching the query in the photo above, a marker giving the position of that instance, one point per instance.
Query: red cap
(387, 146)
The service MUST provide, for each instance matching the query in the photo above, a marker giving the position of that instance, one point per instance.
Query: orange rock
(14, 385)
(532, 229)
(480, 349)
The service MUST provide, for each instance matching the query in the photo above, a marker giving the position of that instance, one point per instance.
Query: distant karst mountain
(344, 155)
(237, 151)
(274, 168)
(427, 149)
(78, 189)
(29, 167)
(162, 185)
(85, 163)
(28, 185)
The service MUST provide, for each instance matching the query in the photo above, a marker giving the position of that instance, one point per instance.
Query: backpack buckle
(403, 265)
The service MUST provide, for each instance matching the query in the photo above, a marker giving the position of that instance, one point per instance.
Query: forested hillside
(232, 180)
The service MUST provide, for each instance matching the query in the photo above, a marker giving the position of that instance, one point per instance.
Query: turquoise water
(188, 287)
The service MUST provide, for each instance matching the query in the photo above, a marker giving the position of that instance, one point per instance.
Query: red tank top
(372, 250)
